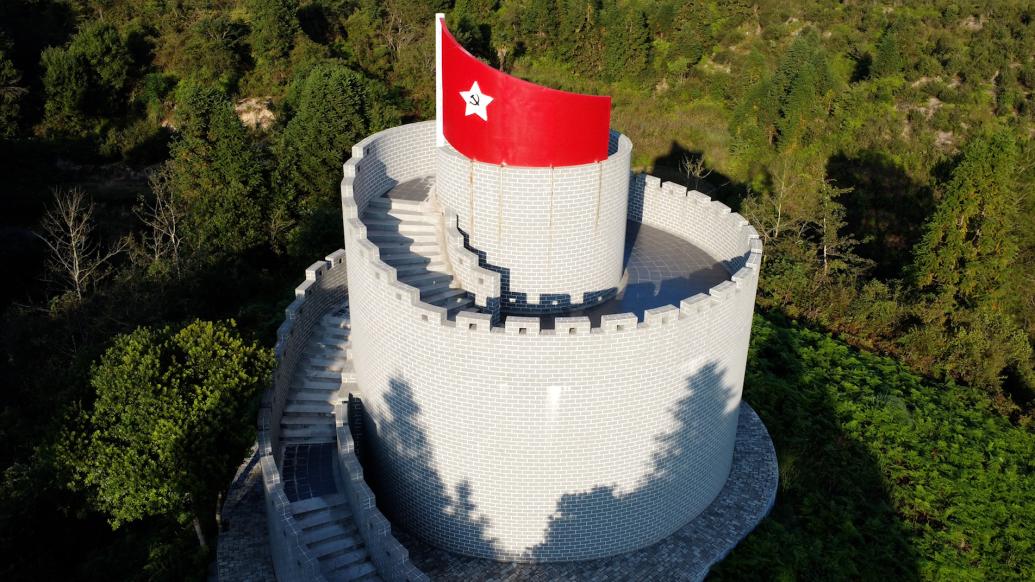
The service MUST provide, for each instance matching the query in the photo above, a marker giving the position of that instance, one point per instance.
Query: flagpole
(440, 138)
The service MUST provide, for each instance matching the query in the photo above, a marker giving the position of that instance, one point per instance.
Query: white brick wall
(550, 232)
(527, 444)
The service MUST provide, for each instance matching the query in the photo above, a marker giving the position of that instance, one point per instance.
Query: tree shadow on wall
(833, 518)
(595, 514)
(416, 475)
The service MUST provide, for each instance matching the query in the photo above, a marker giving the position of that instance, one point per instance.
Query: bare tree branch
(75, 255)
(163, 215)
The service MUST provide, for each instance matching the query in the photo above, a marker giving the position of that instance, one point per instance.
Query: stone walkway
(243, 551)
(308, 471)
(688, 554)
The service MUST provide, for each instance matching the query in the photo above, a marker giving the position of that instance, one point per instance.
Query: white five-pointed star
(476, 102)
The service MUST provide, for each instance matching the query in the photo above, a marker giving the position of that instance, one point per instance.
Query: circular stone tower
(550, 359)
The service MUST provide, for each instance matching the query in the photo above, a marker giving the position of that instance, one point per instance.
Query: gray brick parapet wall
(388, 555)
(323, 291)
(530, 444)
(483, 283)
(556, 235)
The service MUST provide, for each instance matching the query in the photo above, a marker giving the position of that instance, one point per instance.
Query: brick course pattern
(554, 234)
(525, 444)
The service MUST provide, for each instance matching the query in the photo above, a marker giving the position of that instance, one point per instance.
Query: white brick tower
(550, 359)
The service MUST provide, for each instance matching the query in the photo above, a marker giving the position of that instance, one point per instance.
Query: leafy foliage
(883, 475)
(172, 414)
(219, 174)
(85, 81)
(10, 95)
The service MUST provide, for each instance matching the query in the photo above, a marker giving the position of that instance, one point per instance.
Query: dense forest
(170, 167)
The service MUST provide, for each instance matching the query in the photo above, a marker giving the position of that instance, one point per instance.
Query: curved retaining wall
(556, 235)
(526, 444)
(324, 290)
(483, 283)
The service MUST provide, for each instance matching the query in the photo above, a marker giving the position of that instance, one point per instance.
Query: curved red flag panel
(493, 117)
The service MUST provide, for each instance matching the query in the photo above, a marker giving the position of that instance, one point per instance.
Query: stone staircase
(325, 374)
(324, 368)
(408, 235)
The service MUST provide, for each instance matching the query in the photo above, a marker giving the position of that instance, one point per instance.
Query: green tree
(887, 59)
(174, 414)
(969, 243)
(787, 110)
(963, 267)
(11, 93)
(626, 42)
(334, 108)
(85, 82)
(219, 175)
(207, 48)
(273, 29)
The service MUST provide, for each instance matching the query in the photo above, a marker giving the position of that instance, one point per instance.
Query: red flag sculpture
(495, 118)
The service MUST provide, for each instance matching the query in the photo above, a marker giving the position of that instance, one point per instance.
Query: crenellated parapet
(483, 283)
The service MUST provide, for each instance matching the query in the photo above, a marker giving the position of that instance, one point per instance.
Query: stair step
(303, 419)
(456, 304)
(309, 407)
(421, 268)
(405, 242)
(405, 202)
(355, 572)
(326, 332)
(335, 321)
(314, 519)
(299, 508)
(432, 287)
(381, 238)
(322, 362)
(315, 373)
(410, 215)
(380, 202)
(344, 560)
(322, 431)
(333, 545)
(331, 333)
(406, 256)
(388, 223)
(329, 343)
(416, 280)
(326, 531)
(441, 296)
(384, 203)
(310, 396)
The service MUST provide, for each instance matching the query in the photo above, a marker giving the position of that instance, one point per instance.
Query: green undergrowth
(883, 474)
